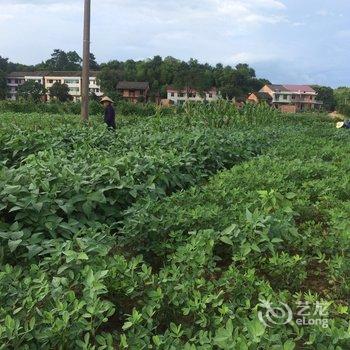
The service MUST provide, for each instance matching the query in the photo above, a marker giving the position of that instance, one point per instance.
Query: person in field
(109, 117)
(345, 125)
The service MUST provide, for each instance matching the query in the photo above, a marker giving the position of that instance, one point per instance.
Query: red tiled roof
(50, 74)
(133, 85)
(263, 96)
(23, 74)
(301, 88)
(292, 88)
(277, 88)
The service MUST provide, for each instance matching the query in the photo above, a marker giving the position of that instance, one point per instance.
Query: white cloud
(272, 35)
(251, 57)
(271, 4)
(211, 30)
(242, 13)
(39, 28)
(32, 10)
(5, 17)
(298, 24)
(329, 13)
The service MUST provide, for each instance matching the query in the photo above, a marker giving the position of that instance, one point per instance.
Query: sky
(286, 41)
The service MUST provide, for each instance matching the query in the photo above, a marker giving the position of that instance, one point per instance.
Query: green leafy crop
(174, 232)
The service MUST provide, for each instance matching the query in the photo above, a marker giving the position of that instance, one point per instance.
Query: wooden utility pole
(86, 62)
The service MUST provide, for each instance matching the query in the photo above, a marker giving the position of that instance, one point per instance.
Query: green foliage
(326, 95)
(222, 114)
(3, 63)
(66, 61)
(231, 81)
(3, 83)
(342, 96)
(56, 107)
(52, 107)
(60, 92)
(168, 233)
(31, 90)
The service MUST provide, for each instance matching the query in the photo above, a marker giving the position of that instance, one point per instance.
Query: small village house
(133, 91)
(72, 79)
(287, 98)
(180, 96)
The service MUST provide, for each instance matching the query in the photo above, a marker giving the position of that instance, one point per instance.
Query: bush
(53, 107)
(344, 109)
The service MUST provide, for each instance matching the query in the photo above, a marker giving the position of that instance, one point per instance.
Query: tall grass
(223, 113)
(216, 114)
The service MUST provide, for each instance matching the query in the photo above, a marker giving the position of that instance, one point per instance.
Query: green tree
(231, 81)
(60, 92)
(342, 97)
(93, 63)
(108, 78)
(130, 71)
(325, 94)
(58, 61)
(74, 61)
(31, 90)
(62, 61)
(3, 64)
(7, 66)
(66, 61)
(3, 84)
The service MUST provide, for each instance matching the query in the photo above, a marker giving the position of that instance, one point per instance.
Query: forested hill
(231, 81)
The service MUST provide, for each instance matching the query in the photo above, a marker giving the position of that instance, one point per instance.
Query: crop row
(133, 241)
(56, 192)
(274, 228)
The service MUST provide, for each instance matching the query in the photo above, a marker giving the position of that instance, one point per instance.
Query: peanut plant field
(212, 228)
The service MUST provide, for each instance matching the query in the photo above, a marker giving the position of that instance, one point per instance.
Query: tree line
(59, 61)
(232, 81)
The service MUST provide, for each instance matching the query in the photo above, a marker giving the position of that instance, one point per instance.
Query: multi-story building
(178, 97)
(94, 87)
(72, 79)
(14, 81)
(292, 98)
(133, 91)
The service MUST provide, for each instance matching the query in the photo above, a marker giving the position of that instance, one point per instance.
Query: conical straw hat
(106, 99)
